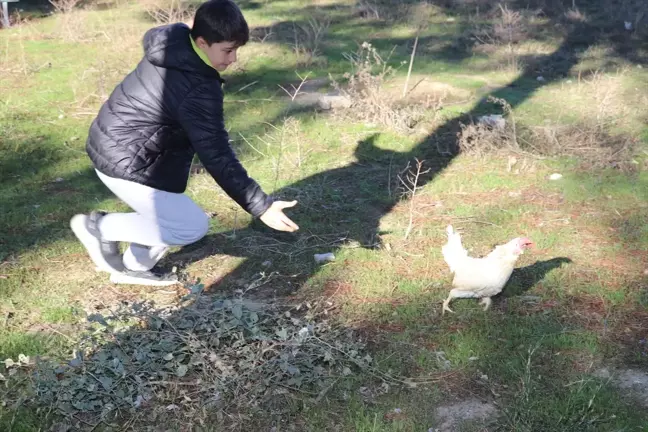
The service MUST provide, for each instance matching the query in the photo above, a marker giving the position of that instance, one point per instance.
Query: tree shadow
(36, 202)
(350, 201)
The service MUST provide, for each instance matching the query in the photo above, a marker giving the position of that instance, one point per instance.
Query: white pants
(161, 219)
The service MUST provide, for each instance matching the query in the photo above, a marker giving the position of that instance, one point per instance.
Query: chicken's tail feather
(453, 251)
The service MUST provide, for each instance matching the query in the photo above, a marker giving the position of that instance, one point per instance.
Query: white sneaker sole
(92, 245)
(121, 278)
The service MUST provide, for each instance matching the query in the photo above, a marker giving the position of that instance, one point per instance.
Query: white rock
(494, 120)
(628, 25)
(555, 176)
(327, 102)
(325, 257)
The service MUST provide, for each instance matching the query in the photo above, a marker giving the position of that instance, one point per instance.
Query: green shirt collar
(200, 52)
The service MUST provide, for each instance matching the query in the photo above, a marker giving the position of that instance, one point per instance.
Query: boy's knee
(199, 225)
(193, 228)
(202, 226)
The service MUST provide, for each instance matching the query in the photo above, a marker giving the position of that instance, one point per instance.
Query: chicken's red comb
(526, 242)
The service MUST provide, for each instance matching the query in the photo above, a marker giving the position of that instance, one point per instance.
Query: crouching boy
(144, 139)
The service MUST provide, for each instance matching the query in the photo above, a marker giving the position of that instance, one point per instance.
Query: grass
(576, 303)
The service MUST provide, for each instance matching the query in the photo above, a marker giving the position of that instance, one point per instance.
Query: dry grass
(590, 143)
(309, 37)
(506, 32)
(371, 103)
(388, 11)
(168, 11)
(602, 106)
(64, 6)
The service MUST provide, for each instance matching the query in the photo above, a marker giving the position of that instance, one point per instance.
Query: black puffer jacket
(167, 109)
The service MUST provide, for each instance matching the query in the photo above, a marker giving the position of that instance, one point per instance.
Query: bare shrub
(409, 179)
(365, 88)
(64, 6)
(402, 11)
(506, 31)
(589, 142)
(308, 38)
(481, 139)
(168, 11)
(575, 15)
(486, 137)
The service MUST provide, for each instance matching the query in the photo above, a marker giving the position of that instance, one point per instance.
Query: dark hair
(220, 21)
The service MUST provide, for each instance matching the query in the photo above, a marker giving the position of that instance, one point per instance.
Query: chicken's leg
(454, 293)
(446, 303)
(486, 301)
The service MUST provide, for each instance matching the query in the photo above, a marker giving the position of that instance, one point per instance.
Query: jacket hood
(169, 47)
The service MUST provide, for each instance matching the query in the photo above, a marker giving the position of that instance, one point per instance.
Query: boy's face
(220, 54)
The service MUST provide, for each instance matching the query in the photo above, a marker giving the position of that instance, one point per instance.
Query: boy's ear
(201, 42)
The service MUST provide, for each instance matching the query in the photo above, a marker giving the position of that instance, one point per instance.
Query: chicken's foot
(446, 307)
(486, 301)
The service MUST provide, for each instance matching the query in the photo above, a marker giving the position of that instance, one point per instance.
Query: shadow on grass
(346, 204)
(36, 202)
(349, 202)
(525, 278)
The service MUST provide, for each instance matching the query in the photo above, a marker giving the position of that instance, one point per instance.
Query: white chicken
(480, 277)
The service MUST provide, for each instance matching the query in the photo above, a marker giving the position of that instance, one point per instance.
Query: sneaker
(105, 254)
(133, 277)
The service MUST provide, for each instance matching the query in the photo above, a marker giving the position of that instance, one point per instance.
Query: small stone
(328, 102)
(555, 176)
(541, 78)
(603, 373)
(496, 121)
(325, 257)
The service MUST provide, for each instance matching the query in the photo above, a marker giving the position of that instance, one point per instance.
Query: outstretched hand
(275, 218)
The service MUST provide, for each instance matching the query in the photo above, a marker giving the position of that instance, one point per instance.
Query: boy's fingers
(291, 224)
(286, 204)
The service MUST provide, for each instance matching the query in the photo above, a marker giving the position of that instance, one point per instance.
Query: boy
(144, 138)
